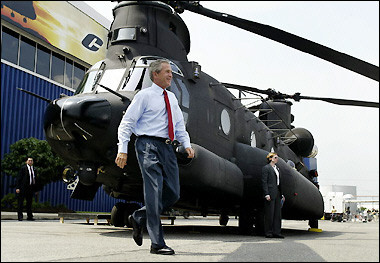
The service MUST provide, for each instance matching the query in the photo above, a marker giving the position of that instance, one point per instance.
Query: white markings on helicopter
(83, 130)
(63, 126)
(82, 100)
(51, 129)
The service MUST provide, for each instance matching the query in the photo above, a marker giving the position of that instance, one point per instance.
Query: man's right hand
(121, 160)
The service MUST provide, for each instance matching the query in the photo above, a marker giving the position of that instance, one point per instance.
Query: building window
(69, 68)
(9, 45)
(78, 75)
(32, 56)
(27, 53)
(58, 68)
(43, 61)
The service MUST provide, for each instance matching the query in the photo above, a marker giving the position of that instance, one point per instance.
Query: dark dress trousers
(158, 164)
(26, 191)
(272, 208)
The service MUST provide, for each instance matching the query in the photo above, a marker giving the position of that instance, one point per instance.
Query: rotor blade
(239, 87)
(340, 101)
(291, 40)
(297, 97)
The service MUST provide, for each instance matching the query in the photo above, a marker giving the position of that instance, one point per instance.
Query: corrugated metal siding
(22, 117)
(22, 114)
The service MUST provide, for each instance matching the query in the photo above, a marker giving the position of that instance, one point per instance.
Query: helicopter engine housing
(303, 143)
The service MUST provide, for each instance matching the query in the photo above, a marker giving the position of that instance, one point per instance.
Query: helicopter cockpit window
(127, 33)
(87, 83)
(145, 61)
(175, 69)
(138, 77)
(111, 79)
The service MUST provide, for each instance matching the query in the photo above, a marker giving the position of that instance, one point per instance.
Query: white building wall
(333, 195)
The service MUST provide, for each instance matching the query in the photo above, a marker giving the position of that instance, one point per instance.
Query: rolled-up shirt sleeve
(128, 122)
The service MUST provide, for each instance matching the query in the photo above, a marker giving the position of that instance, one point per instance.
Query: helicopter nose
(77, 118)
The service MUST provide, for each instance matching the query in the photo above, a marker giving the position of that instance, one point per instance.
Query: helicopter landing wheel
(246, 220)
(117, 214)
(223, 219)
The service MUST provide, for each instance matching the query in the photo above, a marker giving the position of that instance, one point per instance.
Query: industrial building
(46, 48)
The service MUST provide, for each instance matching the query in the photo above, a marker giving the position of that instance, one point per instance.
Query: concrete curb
(36, 216)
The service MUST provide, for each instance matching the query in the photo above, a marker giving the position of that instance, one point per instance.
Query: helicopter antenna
(346, 61)
(35, 95)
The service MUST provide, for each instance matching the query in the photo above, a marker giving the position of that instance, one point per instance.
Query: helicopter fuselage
(230, 141)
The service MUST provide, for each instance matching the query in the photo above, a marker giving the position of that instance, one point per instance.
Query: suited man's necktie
(170, 121)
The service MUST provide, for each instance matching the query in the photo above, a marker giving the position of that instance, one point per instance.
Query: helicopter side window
(182, 95)
(173, 88)
(225, 122)
(185, 94)
(179, 89)
(175, 69)
(179, 95)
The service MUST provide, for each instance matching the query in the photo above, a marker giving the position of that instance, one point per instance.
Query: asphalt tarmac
(193, 239)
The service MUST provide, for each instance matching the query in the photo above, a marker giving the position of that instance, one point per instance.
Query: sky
(347, 137)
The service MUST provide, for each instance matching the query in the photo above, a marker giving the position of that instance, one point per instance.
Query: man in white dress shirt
(156, 124)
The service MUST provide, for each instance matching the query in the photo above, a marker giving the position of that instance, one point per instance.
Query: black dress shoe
(31, 219)
(269, 236)
(20, 219)
(162, 251)
(137, 231)
(278, 236)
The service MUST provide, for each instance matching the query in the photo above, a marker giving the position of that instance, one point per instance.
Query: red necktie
(170, 121)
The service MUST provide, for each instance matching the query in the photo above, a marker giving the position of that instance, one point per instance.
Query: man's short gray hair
(156, 66)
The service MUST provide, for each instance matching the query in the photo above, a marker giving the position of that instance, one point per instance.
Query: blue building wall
(22, 117)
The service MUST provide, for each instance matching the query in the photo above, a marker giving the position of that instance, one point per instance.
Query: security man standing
(271, 183)
(25, 184)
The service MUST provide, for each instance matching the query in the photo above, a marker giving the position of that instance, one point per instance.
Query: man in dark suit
(25, 184)
(271, 182)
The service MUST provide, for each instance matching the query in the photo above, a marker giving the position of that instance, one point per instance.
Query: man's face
(164, 78)
(30, 161)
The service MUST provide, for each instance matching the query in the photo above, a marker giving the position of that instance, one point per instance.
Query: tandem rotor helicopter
(230, 141)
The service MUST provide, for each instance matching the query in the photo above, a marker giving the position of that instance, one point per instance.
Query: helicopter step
(87, 216)
(97, 216)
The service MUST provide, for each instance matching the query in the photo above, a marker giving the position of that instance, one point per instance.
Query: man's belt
(164, 140)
